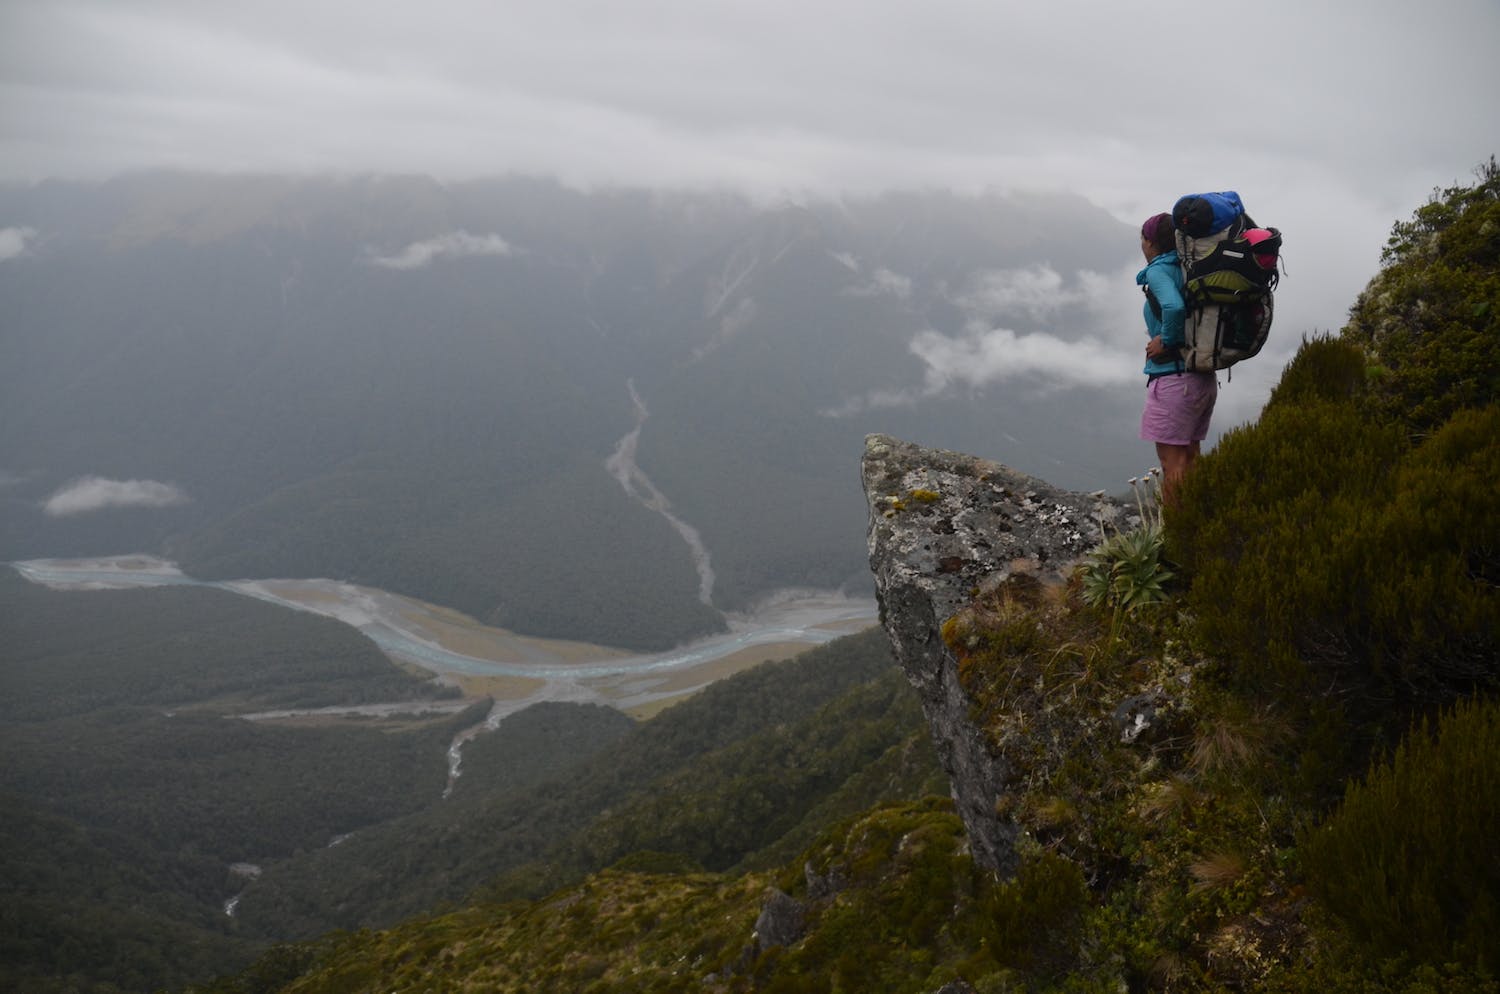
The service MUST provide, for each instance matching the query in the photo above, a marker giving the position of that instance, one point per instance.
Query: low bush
(1319, 540)
(1324, 369)
(1407, 864)
(1265, 527)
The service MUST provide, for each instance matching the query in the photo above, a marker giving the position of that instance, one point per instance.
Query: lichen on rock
(976, 524)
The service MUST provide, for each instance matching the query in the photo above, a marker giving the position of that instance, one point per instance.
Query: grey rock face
(943, 526)
(1135, 718)
(820, 886)
(782, 921)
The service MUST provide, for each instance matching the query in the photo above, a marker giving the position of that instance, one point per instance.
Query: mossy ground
(901, 908)
(618, 931)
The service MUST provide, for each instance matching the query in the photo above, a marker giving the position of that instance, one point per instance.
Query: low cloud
(1040, 292)
(95, 493)
(1081, 346)
(1094, 339)
(13, 241)
(877, 400)
(979, 359)
(883, 282)
(1036, 291)
(454, 245)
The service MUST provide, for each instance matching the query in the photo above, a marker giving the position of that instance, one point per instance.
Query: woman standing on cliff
(1179, 404)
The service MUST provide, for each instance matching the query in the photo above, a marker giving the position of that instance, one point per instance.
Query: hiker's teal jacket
(1164, 278)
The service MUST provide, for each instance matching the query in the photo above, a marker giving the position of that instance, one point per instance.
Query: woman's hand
(1156, 350)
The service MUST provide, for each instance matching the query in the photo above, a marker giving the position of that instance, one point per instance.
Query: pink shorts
(1178, 408)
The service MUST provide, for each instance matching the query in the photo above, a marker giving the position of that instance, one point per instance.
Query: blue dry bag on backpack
(1202, 214)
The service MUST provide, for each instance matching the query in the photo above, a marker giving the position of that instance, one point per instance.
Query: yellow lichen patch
(926, 496)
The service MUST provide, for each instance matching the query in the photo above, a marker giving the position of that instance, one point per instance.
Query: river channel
(515, 670)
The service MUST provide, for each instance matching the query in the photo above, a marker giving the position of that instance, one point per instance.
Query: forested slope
(131, 786)
(741, 766)
(137, 802)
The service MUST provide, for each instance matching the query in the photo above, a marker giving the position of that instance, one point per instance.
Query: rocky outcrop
(782, 921)
(943, 527)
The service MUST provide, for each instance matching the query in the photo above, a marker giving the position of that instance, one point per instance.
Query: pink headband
(1153, 226)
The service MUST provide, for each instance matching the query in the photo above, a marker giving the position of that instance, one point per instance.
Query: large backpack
(1229, 269)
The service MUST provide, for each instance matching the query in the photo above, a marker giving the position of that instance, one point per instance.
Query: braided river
(516, 670)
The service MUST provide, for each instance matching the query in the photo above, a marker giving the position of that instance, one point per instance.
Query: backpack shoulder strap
(1151, 300)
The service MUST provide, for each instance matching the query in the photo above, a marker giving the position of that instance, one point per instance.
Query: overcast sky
(1332, 119)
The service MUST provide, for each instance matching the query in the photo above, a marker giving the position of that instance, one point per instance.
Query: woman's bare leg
(1175, 461)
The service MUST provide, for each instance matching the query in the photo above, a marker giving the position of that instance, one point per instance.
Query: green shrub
(1320, 537)
(1324, 368)
(1125, 571)
(1407, 865)
(1265, 524)
(1430, 318)
(912, 911)
(1433, 555)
